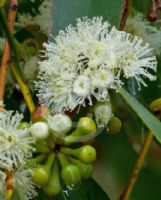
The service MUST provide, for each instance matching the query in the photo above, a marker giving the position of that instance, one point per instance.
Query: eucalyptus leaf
(66, 11)
(89, 190)
(145, 115)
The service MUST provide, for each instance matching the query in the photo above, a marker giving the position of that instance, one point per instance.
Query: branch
(138, 165)
(124, 15)
(155, 107)
(6, 55)
(16, 67)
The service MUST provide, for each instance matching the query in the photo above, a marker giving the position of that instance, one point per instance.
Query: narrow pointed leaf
(145, 115)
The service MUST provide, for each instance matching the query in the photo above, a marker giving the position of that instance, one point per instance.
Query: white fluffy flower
(15, 144)
(138, 25)
(134, 59)
(85, 61)
(22, 184)
(42, 18)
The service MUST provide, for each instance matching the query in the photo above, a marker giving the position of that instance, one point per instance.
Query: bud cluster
(56, 159)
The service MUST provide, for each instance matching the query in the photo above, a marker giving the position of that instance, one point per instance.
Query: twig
(6, 55)
(124, 15)
(138, 165)
(16, 67)
(155, 107)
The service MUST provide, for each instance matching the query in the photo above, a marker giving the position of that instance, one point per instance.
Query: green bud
(85, 169)
(41, 173)
(39, 176)
(114, 125)
(155, 106)
(71, 175)
(86, 126)
(86, 153)
(53, 187)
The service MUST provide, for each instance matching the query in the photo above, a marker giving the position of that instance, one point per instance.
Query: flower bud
(42, 173)
(85, 169)
(86, 126)
(53, 186)
(39, 176)
(102, 113)
(86, 153)
(114, 125)
(71, 175)
(155, 106)
(39, 130)
(60, 124)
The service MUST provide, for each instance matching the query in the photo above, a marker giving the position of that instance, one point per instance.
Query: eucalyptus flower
(134, 59)
(138, 25)
(15, 143)
(22, 184)
(42, 18)
(83, 62)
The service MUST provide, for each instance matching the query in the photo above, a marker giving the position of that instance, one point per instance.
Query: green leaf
(147, 117)
(89, 190)
(66, 11)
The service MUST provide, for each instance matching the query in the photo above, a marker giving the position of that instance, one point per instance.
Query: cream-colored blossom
(15, 143)
(42, 18)
(138, 25)
(85, 61)
(22, 184)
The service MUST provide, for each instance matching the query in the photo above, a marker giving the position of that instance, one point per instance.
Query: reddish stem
(7, 53)
(124, 15)
(152, 16)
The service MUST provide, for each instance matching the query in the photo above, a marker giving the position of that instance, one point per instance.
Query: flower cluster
(16, 146)
(42, 18)
(85, 61)
(137, 24)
